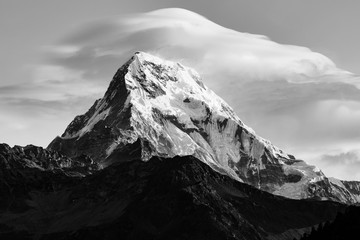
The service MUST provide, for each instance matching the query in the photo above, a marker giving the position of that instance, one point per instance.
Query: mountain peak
(155, 107)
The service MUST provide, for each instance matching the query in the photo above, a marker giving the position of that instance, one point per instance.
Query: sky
(289, 68)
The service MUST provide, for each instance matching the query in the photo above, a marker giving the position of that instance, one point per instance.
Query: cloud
(40, 109)
(304, 114)
(345, 163)
(185, 36)
(32, 121)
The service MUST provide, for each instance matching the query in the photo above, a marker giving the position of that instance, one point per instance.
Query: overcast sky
(57, 57)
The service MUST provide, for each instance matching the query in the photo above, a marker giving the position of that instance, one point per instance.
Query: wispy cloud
(32, 121)
(38, 110)
(345, 164)
(194, 40)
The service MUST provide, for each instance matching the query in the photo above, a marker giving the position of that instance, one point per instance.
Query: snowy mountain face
(160, 108)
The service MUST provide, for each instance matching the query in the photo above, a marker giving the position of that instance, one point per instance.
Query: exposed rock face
(33, 157)
(179, 198)
(354, 188)
(161, 108)
(351, 189)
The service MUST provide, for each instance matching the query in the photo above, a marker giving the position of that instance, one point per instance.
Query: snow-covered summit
(155, 107)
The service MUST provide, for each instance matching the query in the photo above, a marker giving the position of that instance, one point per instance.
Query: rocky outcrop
(33, 157)
(353, 187)
(160, 108)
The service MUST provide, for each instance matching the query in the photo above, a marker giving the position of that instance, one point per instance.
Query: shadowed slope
(179, 198)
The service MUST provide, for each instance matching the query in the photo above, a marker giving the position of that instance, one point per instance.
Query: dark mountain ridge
(179, 198)
(345, 226)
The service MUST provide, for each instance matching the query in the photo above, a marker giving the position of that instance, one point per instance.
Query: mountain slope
(178, 198)
(345, 226)
(160, 108)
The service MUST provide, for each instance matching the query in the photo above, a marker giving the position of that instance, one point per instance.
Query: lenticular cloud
(185, 36)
